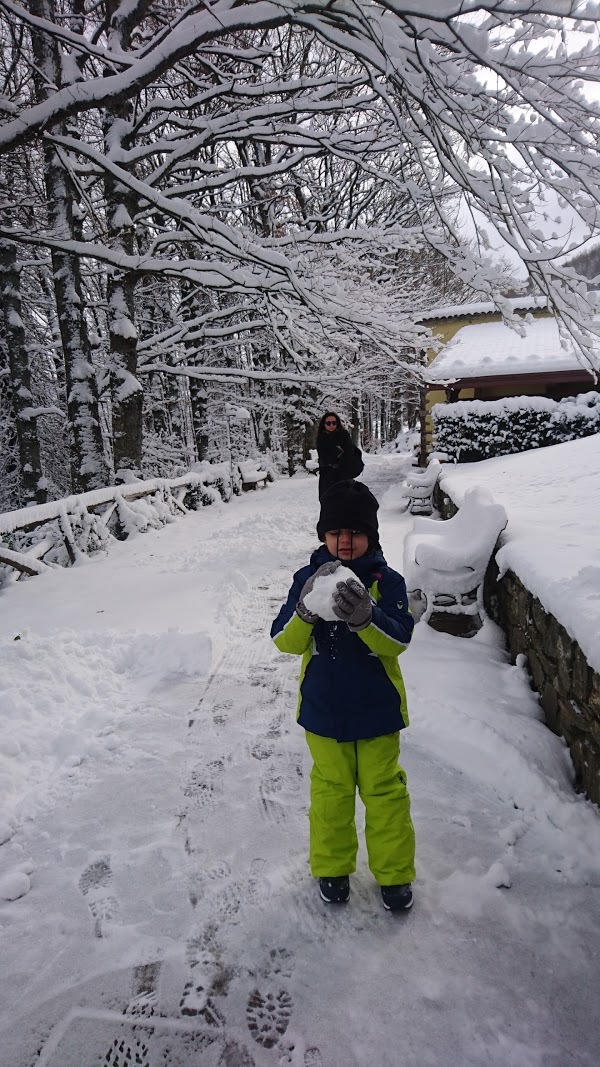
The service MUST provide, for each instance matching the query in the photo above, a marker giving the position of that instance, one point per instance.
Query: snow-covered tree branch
(240, 195)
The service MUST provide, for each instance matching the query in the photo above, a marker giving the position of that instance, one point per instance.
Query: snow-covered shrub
(50, 534)
(76, 532)
(217, 475)
(577, 416)
(223, 479)
(471, 430)
(407, 442)
(276, 461)
(263, 463)
(138, 516)
(201, 495)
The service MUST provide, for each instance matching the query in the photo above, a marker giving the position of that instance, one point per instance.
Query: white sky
(566, 233)
(157, 787)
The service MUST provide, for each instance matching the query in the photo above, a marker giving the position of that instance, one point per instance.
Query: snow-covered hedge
(471, 430)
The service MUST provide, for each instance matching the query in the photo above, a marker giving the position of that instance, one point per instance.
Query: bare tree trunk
(365, 424)
(33, 482)
(294, 443)
(194, 303)
(121, 206)
(311, 394)
(261, 423)
(262, 416)
(88, 465)
(157, 416)
(10, 474)
(126, 391)
(355, 420)
(395, 415)
(86, 453)
(294, 430)
(199, 405)
(164, 396)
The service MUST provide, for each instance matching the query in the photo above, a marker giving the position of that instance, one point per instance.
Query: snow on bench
(252, 476)
(419, 485)
(445, 562)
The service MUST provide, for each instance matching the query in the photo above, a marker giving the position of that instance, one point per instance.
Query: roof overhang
(557, 377)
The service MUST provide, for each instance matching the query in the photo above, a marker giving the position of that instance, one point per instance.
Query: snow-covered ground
(552, 499)
(156, 787)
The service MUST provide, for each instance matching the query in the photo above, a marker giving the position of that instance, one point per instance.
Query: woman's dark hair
(330, 415)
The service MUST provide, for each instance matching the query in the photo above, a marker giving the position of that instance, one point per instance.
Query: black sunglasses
(331, 422)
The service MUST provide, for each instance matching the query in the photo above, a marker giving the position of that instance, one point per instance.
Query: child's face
(346, 544)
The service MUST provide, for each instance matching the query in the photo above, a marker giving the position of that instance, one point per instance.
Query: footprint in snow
(280, 962)
(235, 1055)
(262, 750)
(195, 1002)
(200, 789)
(132, 1051)
(126, 1052)
(294, 1052)
(94, 884)
(257, 888)
(144, 1005)
(205, 960)
(268, 1016)
(313, 1058)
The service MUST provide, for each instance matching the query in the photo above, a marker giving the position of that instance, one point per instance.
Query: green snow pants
(339, 767)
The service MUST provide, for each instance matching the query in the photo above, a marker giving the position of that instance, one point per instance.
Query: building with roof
(485, 359)
(490, 360)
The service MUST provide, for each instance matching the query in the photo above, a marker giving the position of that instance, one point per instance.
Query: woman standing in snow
(352, 703)
(335, 451)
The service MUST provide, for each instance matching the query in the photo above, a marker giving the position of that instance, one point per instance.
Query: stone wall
(568, 688)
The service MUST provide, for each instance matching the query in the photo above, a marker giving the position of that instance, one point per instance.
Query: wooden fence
(61, 532)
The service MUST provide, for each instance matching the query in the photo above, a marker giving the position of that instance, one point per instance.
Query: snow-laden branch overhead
(485, 97)
(257, 200)
(236, 374)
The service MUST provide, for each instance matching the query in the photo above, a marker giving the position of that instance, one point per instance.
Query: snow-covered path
(160, 812)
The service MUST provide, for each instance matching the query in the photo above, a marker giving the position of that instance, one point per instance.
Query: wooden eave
(557, 377)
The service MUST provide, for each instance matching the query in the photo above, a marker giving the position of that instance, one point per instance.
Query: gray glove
(352, 604)
(304, 613)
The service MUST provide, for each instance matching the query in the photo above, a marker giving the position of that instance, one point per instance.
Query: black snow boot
(397, 897)
(335, 890)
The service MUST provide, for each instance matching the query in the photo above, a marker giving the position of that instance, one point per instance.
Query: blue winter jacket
(350, 683)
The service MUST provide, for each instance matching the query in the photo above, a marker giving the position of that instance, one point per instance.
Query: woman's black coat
(335, 455)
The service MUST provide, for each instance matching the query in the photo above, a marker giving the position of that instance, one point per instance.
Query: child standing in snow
(352, 702)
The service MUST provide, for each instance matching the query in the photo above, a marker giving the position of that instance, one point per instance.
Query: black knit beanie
(349, 505)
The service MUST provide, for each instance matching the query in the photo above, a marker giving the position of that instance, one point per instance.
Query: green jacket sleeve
(289, 632)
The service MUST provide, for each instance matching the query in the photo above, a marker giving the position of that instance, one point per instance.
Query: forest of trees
(227, 202)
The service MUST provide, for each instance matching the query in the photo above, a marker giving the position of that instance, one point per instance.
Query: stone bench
(445, 562)
(252, 477)
(419, 486)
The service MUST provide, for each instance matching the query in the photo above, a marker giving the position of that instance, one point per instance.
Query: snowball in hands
(320, 599)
